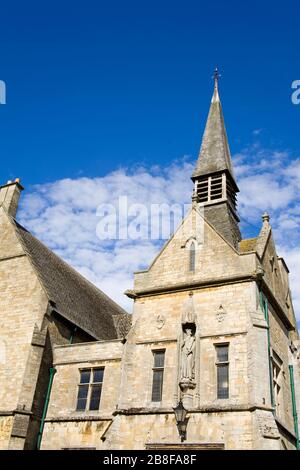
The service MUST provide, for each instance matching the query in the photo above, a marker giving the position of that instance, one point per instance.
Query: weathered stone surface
(29, 330)
(243, 421)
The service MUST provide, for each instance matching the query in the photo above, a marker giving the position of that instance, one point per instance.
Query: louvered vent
(210, 188)
(231, 194)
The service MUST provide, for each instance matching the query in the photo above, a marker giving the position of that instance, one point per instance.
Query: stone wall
(28, 334)
(66, 427)
(280, 347)
(136, 431)
(23, 304)
(6, 423)
(215, 258)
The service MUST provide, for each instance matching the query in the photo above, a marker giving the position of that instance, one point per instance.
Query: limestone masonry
(213, 334)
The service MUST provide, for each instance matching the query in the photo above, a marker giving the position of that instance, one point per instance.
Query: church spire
(214, 153)
(215, 185)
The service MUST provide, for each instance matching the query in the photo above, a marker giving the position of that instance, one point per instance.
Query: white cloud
(292, 258)
(257, 132)
(63, 214)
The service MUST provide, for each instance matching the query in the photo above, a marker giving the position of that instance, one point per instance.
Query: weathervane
(216, 76)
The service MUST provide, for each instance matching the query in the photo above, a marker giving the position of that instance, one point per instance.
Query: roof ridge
(73, 296)
(71, 268)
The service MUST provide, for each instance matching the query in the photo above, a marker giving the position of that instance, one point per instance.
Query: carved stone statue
(188, 355)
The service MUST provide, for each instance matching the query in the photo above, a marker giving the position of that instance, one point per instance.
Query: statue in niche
(188, 311)
(188, 354)
(187, 347)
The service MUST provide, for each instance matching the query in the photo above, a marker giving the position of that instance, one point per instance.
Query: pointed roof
(214, 154)
(264, 235)
(71, 295)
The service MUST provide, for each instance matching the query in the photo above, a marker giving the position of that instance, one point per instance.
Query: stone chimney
(9, 196)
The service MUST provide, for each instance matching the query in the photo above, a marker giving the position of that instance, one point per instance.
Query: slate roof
(214, 154)
(71, 295)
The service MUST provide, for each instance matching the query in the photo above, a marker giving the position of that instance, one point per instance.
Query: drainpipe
(264, 305)
(52, 372)
(291, 370)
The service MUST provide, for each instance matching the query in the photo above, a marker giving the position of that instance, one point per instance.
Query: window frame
(160, 369)
(192, 256)
(277, 383)
(90, 385)
(219, 364)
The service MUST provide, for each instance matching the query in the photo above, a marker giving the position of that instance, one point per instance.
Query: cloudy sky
(64, 213)
(108, 99)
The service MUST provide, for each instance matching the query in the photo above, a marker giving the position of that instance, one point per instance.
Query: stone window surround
(90, 386)
(154, 368)
(192, 257)
(187, 246)
(217, 363)
(277, 375)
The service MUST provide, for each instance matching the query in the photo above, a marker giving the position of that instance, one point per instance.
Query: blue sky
(111, 98)
(95, 85)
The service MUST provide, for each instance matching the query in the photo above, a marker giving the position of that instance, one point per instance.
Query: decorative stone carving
(187, 352)
(295, 350)
(221, 314)
(160, 321)
(188, 311)
(259, 272)
(188, 355)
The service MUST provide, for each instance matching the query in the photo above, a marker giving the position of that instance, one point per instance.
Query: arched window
(192, 261)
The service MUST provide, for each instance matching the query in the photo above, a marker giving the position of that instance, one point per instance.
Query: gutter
(294, 407)
(52, 372)
(264, 305)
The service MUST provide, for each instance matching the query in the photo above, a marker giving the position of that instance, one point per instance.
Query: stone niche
(187, 352)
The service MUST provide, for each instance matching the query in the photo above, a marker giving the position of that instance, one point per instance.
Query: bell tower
(213, 177)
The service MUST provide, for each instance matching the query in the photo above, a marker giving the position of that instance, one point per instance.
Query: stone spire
(214, 153)
(215, 185)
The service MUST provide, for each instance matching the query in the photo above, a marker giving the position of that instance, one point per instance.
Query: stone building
(213, 332)
(43, 302)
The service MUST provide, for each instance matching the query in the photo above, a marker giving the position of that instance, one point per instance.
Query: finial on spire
(266, 218)
(216, 76)
(194, 198)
